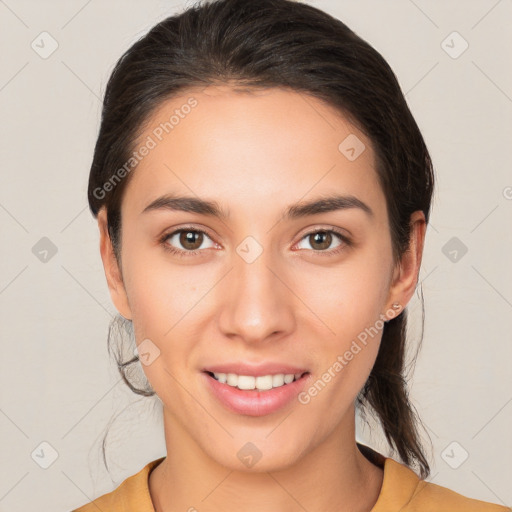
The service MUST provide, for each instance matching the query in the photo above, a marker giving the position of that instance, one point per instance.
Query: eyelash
(346, 242)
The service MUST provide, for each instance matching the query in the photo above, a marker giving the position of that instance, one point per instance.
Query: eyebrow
(294, 211)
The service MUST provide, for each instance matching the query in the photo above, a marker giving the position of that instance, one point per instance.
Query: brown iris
(323, 238)
(188, 238)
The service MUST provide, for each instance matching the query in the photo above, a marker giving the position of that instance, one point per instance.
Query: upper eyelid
(172, 232)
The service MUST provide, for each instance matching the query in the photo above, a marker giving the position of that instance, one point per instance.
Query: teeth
(261, 383)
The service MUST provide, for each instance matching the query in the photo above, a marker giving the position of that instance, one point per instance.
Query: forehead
(253, 145)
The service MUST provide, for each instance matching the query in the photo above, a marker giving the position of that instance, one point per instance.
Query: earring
(395, 305)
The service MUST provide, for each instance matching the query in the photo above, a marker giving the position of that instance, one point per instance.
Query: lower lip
(254, 402)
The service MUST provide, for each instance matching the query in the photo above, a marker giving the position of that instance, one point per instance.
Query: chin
(258, 456)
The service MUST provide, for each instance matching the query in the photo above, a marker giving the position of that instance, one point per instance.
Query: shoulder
(132, 495)
(415, 495)
(430, 496)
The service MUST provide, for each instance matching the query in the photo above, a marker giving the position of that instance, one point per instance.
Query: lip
(254, 402)
(255, 370)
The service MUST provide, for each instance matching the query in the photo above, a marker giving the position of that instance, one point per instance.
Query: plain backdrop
(58, 388)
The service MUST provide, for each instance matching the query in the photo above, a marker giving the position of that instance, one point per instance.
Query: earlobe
(406, 274)
(111, 267)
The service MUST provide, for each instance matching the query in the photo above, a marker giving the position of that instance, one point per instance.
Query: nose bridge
(257, 303)
(255, 277)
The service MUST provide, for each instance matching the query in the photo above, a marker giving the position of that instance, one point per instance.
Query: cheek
(162, 305)
(348, 297)
(160, 292)
(345, 358)
(168, 303)
(349, 300)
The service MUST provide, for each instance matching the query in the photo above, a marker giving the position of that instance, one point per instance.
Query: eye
(189, 241)
(186, 241)
(322, 239)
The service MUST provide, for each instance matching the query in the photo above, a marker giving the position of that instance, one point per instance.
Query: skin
(255, 153)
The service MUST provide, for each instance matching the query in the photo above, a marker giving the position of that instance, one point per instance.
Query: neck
(332, 476)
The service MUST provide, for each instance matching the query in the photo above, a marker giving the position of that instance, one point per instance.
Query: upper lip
(255, 370)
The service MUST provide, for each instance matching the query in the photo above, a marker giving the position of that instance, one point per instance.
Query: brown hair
(286, 44)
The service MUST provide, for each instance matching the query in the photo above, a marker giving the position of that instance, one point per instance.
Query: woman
(262, 193)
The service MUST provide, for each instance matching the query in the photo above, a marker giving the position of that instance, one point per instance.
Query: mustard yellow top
(402, 490)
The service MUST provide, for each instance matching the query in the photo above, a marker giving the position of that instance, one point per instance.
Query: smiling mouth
(260, 383)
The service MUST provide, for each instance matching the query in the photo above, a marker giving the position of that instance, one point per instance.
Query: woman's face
(264, 284)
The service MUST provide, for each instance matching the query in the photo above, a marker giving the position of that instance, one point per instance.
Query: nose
(258, 303)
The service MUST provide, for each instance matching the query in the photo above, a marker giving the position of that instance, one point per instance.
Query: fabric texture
(402, 490)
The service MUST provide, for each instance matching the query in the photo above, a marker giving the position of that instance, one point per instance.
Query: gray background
(57, 384)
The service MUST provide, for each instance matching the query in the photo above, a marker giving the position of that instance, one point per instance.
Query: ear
(405, 277)
(111, 267)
